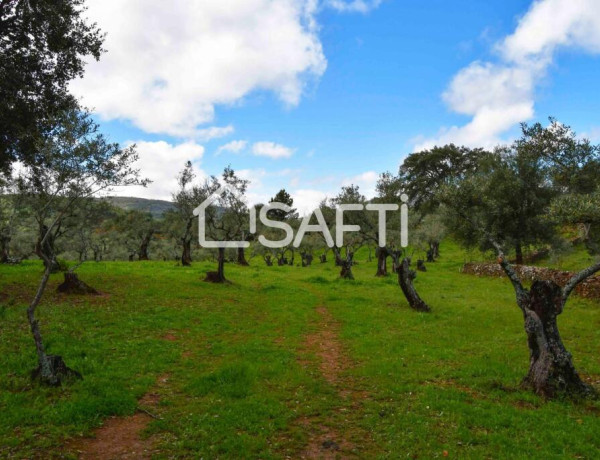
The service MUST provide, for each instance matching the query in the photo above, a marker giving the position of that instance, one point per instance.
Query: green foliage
(36, 72)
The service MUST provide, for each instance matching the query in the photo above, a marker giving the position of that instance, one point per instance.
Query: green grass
(240, 377)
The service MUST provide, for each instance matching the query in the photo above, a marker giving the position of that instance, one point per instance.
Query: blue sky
(314, 95)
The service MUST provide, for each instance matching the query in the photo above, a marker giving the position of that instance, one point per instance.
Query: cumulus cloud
(161, 162)
(169, 63)
(214, 132)
(359, 6)
(232, 147)
(271, 150)
(499, 95)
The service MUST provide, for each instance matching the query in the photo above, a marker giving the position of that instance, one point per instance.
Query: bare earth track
(122, 437)
(325, 441)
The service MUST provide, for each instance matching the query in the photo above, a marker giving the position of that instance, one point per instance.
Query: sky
(312, 95)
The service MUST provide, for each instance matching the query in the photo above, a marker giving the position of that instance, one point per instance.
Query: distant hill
(155, 207)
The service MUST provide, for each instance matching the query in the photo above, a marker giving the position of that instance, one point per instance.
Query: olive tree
(74, 162)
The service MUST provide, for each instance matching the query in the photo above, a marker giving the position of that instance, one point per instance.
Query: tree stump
(214, 277)
(54, 372)
(406, 276)
(73, 285)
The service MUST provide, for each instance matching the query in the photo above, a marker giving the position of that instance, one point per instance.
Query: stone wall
(589, 289)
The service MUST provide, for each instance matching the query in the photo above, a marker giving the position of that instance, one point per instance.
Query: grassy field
(290, 362)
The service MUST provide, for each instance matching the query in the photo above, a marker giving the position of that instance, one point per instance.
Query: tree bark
(186, 254)
(46, 251)
(241, 257)
(219, 275)
(143, 253)
(382, 255)
(551, 370)
(346, 272)
(406, 276)
(338, 257)
(51, 369)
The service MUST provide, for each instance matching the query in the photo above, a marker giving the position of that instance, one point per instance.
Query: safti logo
(305, 226)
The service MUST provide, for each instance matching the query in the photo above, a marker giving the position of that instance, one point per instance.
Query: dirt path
(327, 438)
(122, 437)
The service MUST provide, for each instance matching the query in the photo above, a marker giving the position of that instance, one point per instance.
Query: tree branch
(578, 278)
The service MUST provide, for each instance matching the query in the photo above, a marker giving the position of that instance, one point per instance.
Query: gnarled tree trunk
(551, 370)
(406, 276)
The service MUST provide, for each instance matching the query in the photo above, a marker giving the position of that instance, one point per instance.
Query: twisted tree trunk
(551, 370)
(406, 276)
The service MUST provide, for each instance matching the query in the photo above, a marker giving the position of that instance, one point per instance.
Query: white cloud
(161, 162)
(169, 63)
(358, 6)
(271, 150)
(365, 181)
(307, 200)
(498, 96)
(214, 132)
(232, 147)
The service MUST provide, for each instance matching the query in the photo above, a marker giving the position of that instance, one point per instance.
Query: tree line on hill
(55, 164)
